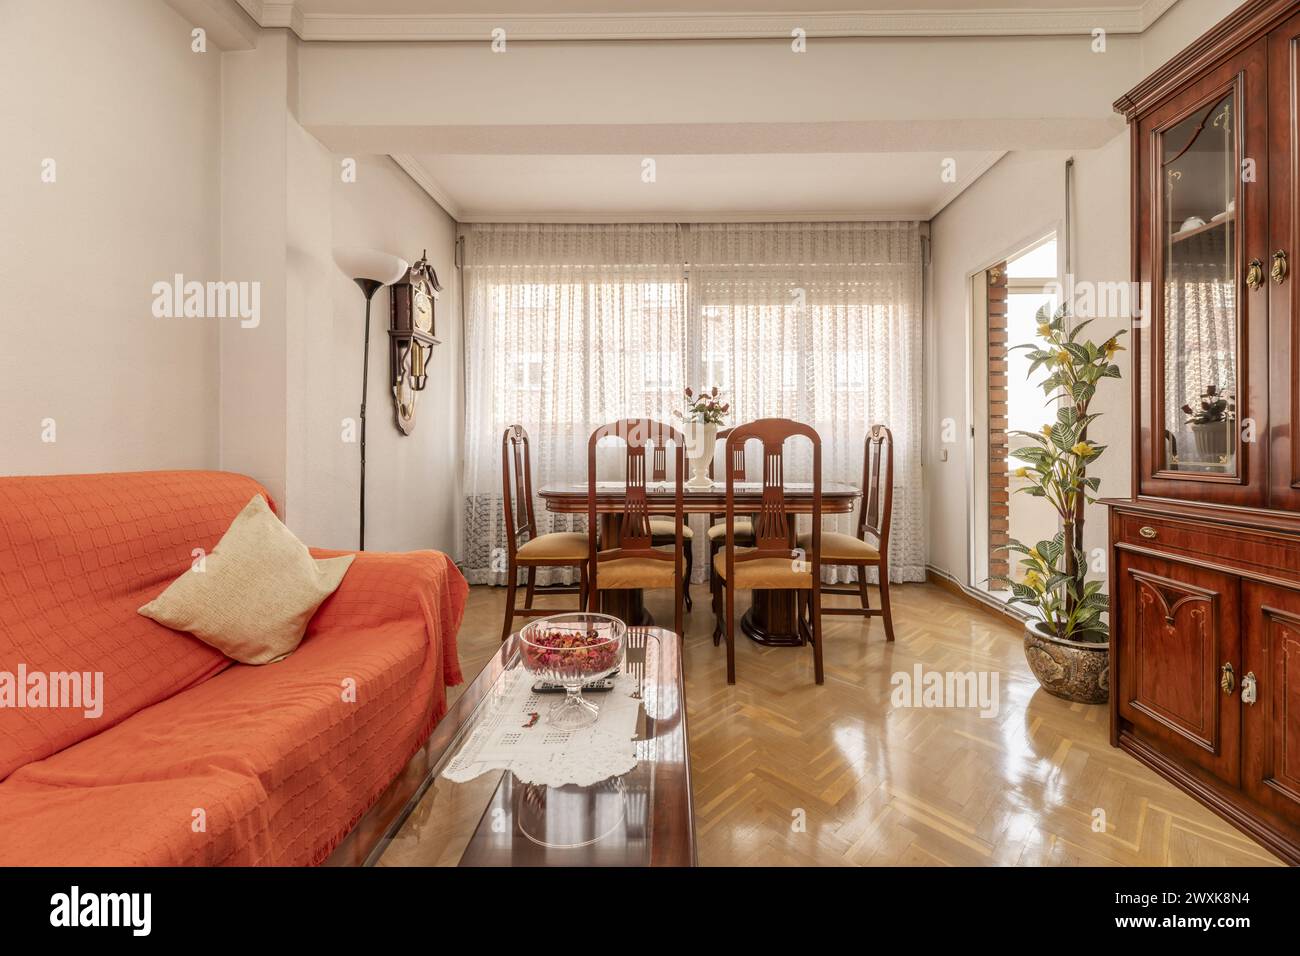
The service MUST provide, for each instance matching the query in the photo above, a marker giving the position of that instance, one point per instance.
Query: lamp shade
(374, 264)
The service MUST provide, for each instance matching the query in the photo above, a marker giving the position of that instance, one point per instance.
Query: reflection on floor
(789, 773)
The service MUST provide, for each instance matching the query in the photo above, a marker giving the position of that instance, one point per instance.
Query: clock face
(422, 309)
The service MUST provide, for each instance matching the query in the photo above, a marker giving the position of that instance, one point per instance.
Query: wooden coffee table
(643, 818)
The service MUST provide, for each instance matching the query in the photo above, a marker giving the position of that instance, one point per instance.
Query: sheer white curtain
(572, 326)
(820, 322)
(568, 327)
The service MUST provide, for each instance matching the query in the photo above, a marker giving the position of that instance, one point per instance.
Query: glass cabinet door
(1199, 335)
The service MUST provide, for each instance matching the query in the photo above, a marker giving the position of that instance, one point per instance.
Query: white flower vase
(700, 438)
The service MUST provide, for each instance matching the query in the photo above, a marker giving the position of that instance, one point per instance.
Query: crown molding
(704, 26)
(277, 13)
(227, 23)
(966, 182)
(415, 169)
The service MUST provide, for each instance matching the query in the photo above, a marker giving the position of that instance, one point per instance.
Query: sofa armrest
(390, 588)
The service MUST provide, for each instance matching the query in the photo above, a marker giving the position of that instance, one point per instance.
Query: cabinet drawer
(1274, 555)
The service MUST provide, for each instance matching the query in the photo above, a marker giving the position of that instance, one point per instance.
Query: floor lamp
(371, 270)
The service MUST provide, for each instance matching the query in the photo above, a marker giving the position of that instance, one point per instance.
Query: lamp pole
(368, 288)
(371, 270)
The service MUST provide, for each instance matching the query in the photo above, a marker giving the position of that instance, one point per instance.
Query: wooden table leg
(626, 604)
(773, 616)
(773, 619)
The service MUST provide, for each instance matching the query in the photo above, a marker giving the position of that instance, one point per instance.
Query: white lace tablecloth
(540, 754)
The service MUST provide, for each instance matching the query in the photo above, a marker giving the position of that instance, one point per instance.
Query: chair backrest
(634, 526)
(735, 461)
(659, 464)
(517, 487)
(773, 534)
(877, 486)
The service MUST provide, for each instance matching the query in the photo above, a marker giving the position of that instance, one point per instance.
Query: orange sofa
(194, 759)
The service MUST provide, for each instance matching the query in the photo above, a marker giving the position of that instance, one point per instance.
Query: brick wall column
(999, 479)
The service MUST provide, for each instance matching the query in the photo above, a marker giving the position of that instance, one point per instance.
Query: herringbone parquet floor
(789, 773)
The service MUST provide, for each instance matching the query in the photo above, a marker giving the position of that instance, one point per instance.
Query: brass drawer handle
(1226, 680)
(1147, 531)
(1249, 688)
(1279, 269)
(1255, 274)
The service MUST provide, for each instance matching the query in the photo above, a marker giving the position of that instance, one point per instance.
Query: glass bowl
(572, 650)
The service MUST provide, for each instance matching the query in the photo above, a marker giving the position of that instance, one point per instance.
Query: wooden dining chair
(525, 548)
(735, 464)
(772, 561)
(633, 561)
(870, 546)
(662, 531)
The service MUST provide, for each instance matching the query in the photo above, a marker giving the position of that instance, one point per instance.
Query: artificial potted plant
(704, 413)
(1067, 644)
(1210, 424)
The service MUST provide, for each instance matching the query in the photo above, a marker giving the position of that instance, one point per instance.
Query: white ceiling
(716, 187)
(513, 157)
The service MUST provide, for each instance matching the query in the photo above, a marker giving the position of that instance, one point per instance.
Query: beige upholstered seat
(763, 573)
(557, 550)
(744, 529)
(634, 573)
(841, 547)
(663, 528)
(873, 522)
(557, 544)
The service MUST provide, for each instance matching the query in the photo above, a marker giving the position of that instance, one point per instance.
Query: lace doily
(540, 754)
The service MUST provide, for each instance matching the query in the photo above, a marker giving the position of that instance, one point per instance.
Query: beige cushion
(566, 545)
(252, 596)
(634, 573)
(841, 547)
(661, 527)
(763, 573)
(744, 529)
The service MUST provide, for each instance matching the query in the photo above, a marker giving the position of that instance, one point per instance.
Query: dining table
(772, 618)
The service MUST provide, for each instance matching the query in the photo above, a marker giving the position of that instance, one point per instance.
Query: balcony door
(1006, 298)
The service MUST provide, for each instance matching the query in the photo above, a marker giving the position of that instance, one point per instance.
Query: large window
(570, 327)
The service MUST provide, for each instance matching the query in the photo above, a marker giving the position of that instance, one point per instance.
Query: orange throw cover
(195, 759)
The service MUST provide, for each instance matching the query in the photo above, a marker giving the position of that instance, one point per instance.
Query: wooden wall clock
(412, 334)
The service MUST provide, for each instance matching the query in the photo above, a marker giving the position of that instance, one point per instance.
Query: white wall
(171, 161)
(113, 94)
(1100, 223)
(288, 384)
(1181, 24)
(317, 380)
(413, 482)
(254, 221)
